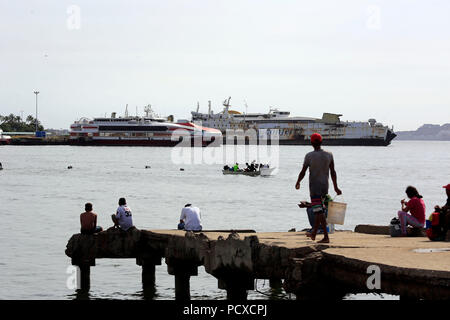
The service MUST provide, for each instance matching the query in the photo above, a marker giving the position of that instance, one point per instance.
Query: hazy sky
(388, 60)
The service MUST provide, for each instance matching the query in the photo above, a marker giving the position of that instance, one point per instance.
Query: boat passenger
(191, 218)
(123, 217)
(88, 220)
(236, 167)
(415, 206)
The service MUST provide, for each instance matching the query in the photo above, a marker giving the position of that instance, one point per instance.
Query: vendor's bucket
(336, 212)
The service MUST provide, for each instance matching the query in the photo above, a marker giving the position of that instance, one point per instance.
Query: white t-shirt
(123, 215)
(191, 218)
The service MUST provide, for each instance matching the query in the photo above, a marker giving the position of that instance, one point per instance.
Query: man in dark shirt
(444, 212)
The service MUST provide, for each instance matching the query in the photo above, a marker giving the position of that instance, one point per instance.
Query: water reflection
(80, 295)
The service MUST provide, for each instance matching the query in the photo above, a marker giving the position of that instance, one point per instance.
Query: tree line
(13, 123)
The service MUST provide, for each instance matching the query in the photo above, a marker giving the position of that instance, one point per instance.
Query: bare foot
(310, 235)
(324, 240)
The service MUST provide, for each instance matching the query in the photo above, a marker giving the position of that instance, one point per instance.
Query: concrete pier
(353, 262)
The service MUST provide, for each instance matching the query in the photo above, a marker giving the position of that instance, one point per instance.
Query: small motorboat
(245, 173)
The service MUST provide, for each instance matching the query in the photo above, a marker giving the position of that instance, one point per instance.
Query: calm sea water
(41, 201)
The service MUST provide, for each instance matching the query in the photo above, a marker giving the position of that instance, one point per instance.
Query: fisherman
(123, 217)
(416, 207)
(88, 220)
(191, 218)
(320, 164)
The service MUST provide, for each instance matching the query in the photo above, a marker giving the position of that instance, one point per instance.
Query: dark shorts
(96, 230)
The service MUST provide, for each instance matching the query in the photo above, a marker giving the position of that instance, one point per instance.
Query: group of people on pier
(190, 219)
(413, 213)
(122, 219)
(320, 164)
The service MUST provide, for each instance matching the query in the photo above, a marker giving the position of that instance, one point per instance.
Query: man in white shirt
(191, 218)
(123, 218)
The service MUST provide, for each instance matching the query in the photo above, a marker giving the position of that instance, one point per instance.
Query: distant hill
(426, 132)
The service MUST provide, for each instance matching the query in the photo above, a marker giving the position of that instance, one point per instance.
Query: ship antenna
(209, 109)
(246, 107)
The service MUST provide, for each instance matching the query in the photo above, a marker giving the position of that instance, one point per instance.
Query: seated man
(444, 214)
(88, 220)
(123, 218)
(446, 206)
(190, 216)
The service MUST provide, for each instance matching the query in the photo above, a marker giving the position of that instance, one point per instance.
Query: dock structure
(353, 262)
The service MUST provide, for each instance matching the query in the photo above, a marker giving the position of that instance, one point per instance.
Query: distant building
(57, 132)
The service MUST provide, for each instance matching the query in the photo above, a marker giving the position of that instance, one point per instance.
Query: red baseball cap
(447, 187)
(316, 137)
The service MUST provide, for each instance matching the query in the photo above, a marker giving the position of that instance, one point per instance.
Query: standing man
(320, 164)
(123, 218)
(190, 216)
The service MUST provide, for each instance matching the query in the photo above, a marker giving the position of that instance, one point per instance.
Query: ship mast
(246, 107)
(226, 105)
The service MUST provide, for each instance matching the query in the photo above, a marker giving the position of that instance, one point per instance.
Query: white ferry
(297, 130)
(4, 139)
(149, 130)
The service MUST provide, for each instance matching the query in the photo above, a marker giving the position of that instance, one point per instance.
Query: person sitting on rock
(191, 218)
(123, 218)
(416, 207)
(88, 220)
